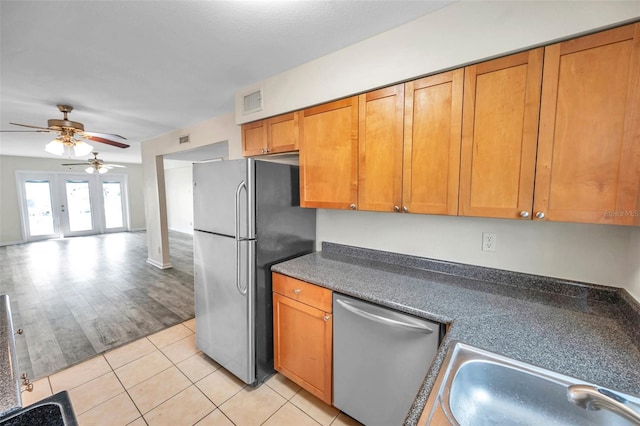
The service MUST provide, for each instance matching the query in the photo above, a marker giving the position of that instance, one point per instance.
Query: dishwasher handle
(382, 319)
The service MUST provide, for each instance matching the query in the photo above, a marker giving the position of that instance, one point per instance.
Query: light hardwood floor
(79, 297)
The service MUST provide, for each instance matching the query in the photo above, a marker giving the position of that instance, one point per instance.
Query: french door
(70, 204)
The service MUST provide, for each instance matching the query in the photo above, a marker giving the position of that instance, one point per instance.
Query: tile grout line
(192, 382)
(125, 390)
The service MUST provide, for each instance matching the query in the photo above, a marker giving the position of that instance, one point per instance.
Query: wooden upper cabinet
(283, 133)
(588, 167)
(499, 136)
(329, 155)
(432, 122)
(271, 136)
(254, 138)
(380, 149)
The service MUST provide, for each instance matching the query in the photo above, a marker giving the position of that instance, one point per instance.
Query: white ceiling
(143, 68)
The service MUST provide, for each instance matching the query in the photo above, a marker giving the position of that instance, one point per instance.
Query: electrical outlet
(489, 241)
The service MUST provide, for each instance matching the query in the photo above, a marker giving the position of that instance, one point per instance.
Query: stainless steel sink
(477, 387)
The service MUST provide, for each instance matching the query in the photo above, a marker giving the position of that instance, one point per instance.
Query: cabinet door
(329, 155)
(282, 133)
(254, 138)
(433, 125)
(589, 149)
(380, 149)
(499, 136)
(303, 345)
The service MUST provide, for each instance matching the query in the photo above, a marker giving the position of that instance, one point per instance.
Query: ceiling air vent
(184, 139)
(252, 102)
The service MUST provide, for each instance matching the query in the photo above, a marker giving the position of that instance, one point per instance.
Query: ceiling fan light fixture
(80, 148)
(55, 147)
(89, 169)
(102, 170)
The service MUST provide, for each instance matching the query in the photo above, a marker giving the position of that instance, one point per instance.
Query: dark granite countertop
(586, 331)
(9, 382)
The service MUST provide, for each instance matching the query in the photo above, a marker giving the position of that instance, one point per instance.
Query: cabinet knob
(540, 215)
(297, 291)
(352, 206)
(524, 214)
(19, 331)
(405, 209)
(326, 317)
(396, 209)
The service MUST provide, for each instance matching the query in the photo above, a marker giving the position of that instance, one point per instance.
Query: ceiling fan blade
(25, 131)
(75, 164)
(98, 134)
(113, 165)
(106, 141)
(33, 127)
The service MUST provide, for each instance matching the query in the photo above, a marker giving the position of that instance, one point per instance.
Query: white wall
(465, 32)
(217, 129)
(590, 253)
(178, 177)
(10, 222)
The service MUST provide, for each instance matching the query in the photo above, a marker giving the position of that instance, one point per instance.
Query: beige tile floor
(163, 379)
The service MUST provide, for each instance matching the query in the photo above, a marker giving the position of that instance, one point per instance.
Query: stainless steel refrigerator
(246, 218)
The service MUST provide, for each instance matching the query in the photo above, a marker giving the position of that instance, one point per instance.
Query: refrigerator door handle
(239, 286)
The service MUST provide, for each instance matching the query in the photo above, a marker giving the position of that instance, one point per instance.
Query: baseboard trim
(158, 264)
(12, 243)
(137, 229)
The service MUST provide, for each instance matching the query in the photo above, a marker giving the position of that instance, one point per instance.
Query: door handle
(239, 286)
(382, 319)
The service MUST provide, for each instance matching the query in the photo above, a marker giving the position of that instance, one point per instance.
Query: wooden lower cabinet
(303, 334)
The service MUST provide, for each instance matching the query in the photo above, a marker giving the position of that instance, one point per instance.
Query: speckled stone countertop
(582, 330)
(9, 384)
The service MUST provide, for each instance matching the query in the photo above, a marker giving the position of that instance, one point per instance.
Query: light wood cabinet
(409, 146)
(271, 136)
(499, 136)
(303, 334)
(254, 138)
(588, 167)
(329, 155)
(479, 141)
(380, 149)
(432, 123)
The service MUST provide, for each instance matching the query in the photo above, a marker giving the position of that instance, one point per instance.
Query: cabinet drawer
(303, 292)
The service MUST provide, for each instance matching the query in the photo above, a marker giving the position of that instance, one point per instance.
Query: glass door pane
(112, 194)
(78, 206)
(39, 208)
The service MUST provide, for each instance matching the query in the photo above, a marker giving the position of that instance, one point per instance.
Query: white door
(37, 202)
(77, 206)
(57, 205)
(114, 214)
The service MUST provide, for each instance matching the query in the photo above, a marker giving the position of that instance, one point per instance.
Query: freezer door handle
(361, 311)
(242, 185)
(242, 289)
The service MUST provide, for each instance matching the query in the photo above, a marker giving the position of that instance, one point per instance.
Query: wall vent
(183, 139)
(252, 102)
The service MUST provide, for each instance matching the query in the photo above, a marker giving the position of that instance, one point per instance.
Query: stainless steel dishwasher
(380, 358)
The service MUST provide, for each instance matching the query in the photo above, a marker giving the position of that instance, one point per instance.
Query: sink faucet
(595, 398)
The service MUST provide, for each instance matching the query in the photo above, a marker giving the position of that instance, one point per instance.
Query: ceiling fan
(96, 165)
(68, 134)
